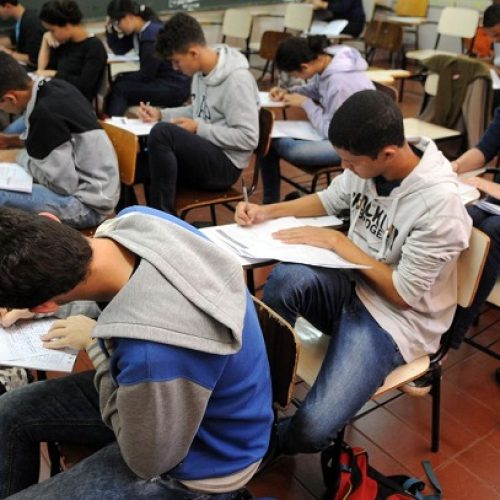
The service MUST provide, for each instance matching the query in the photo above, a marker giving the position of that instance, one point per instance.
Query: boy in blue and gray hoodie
(181, 406)
(207, 144)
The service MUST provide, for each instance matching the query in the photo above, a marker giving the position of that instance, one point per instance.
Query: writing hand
(294, 99)
(9, 316)
(277, 94)
(149, 114)
(247, 214)
(187, 124)
(74, 332)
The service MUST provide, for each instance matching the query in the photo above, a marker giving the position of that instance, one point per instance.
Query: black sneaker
(497, 375)
(294, 195)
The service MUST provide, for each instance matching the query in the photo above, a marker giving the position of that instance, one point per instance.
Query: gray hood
(185, 292)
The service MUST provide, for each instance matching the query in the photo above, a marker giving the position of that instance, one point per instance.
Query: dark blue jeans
(360, 354)
(489, 224)
(67, 410)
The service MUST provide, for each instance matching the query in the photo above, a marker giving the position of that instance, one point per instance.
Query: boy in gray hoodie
(408, 227)
(208, 143)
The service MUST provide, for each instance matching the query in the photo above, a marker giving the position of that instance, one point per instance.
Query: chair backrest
(470, 267)
(126, 146)
(298, 17)
(457, 21)
(411, 8)
(282, 348)
(387, 89)
(269, 43)
(237, 23)
(384, 35)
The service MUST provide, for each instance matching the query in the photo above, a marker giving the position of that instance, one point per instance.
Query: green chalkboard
(93, 9)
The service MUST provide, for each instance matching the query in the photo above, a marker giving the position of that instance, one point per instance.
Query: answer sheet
(20, 345)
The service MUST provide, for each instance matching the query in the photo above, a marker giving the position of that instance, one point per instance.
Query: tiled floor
(397, 436)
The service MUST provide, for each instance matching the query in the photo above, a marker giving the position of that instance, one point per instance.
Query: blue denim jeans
(298, 152)
(489, 224)
(359, 357)
(67, 410)
(69, 209)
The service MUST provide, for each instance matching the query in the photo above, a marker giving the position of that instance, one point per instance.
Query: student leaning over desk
(68, 50)
(408, 225)
(134, 26)
(181, 406)
(208, 143)
(71, 160)
(333, 74)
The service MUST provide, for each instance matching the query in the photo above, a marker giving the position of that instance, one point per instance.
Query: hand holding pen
(148, 113)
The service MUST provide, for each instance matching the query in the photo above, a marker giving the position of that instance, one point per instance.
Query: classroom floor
(397, 436)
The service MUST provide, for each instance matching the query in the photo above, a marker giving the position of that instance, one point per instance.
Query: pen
(245, 193)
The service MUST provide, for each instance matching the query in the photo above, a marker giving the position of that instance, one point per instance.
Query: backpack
(347, 475)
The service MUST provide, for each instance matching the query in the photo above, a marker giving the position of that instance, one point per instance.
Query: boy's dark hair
(12, 75)
(367, 122)
(40, 258)
(491, 16)
(179, 33)
(12, 2)
(294, 51)
(61, 13)
(117, 9)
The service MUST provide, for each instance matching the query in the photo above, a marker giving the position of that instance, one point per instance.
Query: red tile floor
(397, 436)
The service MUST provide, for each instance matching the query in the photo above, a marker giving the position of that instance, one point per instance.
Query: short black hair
(179, 33)
(12, 2)
(61, 13)
(40, 258)
(367, 122)
(491, 16)
(117, 9)
(296, 50)
(12, 75)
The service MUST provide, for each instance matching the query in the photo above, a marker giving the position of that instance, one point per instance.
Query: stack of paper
(134, 125)
(13, 177)
(297, 129)
(20, 345)
(257, 242)
(489, 207)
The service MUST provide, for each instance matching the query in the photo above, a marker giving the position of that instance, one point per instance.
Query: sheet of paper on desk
(297, 129)
(491, 208)
(13, 177)
(134, 125)
(266, 102)
(20, 345)
(117, 58)
(257, 242)
(332, 28)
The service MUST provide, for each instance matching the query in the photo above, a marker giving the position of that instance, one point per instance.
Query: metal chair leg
(436, 408)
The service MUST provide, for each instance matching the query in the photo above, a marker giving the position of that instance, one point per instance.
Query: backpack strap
(431, 475)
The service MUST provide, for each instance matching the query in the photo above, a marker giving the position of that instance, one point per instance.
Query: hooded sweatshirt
(182, 374)
(418, 230)
(225, 104)
(67, 151)
(344, 76)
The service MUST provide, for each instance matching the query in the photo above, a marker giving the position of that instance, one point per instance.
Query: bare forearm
(307, 206)
(470, 160)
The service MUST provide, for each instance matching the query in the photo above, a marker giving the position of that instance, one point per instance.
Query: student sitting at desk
(180, 404)
(27, 33)
(334, 74)
(156, 81)
(71, 160)
(68, 50)
(207, 144)
(408, 226)
(350, 10)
